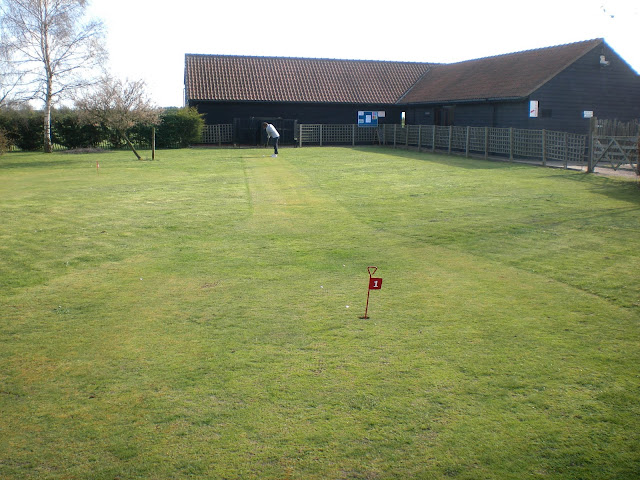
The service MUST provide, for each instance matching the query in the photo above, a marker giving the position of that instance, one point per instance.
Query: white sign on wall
(533, 108)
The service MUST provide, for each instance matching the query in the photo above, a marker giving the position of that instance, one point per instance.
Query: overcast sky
(148, 39)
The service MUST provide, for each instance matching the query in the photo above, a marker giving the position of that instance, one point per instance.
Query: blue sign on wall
(367, 119)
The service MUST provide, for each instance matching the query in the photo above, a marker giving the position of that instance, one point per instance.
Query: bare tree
(119, 105)
(54, 48)
(12, 88)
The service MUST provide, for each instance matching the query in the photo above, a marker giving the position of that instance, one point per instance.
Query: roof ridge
(595, 42)
(269, 57)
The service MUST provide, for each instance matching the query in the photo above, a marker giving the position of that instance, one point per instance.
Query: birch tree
(55, 49)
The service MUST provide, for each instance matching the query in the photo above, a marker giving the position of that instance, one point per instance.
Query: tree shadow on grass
(456, 159)
(622, 189)
(45, 160)
(28, 164)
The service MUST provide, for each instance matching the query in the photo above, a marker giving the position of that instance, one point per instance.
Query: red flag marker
(375, 283)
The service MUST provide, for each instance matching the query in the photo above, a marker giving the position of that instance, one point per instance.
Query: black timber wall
(610, 92)
(226, 112)
(485, 114)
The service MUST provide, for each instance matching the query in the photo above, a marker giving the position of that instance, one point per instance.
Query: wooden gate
(614, 151)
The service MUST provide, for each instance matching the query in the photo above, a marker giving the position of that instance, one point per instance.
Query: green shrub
(141, 134)
(24, 128)
(179, 127)
(70, 131)
(4, 142)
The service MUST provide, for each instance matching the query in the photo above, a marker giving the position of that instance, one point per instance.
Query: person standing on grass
(272, 133)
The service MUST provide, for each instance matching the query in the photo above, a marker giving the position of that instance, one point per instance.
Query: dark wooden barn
(287, 91)
(554, 88)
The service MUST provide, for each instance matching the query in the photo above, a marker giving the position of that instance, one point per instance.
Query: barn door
(444, 116)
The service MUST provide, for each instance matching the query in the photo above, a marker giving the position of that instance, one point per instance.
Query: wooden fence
(217, 134)
(616, 128)
(542, 146)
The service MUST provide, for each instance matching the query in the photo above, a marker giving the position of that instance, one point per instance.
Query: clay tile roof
(279, 79)
(514, 75)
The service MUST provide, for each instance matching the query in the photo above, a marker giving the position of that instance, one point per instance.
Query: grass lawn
(198, 316)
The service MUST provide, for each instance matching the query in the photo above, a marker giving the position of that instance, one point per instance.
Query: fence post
(486, 142)
(450, 138)
(395, 129)
(544, 148)
(638, 156)
(566, 150)
(353, 135)
(593, 122)
(320, 134)
(419, 138)
(300, 136)
(466, 142)
(433, 139)
(407, 128)
(511, 144)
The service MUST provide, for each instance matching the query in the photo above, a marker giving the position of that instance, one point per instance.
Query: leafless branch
(119, 105)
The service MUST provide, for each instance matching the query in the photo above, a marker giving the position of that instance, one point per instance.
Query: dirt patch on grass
(610, 172)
